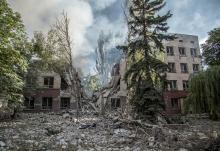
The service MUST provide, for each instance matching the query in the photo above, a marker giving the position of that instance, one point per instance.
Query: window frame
(29, 100)
(173, 69)
(174, 103)
(170, 49)
(186, 83)
(67, 103)
(182, 49)
(48, 81)
(172, 85)
(194, 50)
(187, 70)
(49, 100)
(197, 65)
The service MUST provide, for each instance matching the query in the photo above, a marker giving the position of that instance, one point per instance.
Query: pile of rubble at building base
(52, 131)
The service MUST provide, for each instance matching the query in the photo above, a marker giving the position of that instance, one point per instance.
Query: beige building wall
(123, 85)
(186, 41)
(57, 79)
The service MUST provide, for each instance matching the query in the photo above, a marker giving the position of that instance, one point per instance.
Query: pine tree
(147, 30)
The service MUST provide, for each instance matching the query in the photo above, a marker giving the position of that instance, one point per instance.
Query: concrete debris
(2, 144)
(84, 126)
(66, 115)
(53, 131)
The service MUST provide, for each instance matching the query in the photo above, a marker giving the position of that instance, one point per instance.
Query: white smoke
(85, 26)
(39, 15)
(102, 4)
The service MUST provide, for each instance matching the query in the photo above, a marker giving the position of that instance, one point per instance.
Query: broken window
(48, 82)
(172, 67)
(65, 103)
(64, 84)
(192, 42)
(174, 103)
(172, 85)
(47, 103)
(169, 50)
(193, 52)
(185, 84)
(180, 40)
(195, 67)
(29, 102)
(115, 103)
(182, 51)
(29, 81)
(184, 68)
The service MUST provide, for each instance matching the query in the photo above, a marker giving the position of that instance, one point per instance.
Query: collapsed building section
(115, 94)
(183, 58)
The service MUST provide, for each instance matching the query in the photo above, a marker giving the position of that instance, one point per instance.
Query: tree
(65, 51)
(146, 31)
(211, 48)
(43, 50)
(91, 83)
(204, 93)
(13, 54)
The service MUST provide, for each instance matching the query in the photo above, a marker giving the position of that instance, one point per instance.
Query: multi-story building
(49, 92)
(183, 58)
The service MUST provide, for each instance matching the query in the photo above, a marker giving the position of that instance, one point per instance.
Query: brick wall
(168, 95)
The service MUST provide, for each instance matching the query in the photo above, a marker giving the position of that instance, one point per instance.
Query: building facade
(183, 58)
(49, 93)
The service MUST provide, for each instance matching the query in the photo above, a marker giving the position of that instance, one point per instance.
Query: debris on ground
(60, 131)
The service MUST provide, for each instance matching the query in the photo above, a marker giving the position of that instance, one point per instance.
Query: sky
(89, 17)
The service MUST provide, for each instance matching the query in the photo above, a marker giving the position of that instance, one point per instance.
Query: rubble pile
(52, 131)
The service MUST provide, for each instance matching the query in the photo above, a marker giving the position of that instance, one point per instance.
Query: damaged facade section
(114, 95)
(183, 58)
(50, 92)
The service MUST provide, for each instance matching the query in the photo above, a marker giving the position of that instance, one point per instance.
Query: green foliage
(144, 75)
(91, 83)
(45, 57)
(211, 48)
(13, 53)
(204, 92)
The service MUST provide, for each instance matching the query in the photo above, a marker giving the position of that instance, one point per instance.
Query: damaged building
(114, 96)
(183, 58)
(48, 92)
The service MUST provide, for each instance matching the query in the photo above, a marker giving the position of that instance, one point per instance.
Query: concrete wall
(123, 85)
(57, 79)
(55, 92)
(177, 59)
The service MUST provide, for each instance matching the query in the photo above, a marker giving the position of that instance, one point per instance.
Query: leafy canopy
(204, 93)
(211, 48)
(13, 53)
